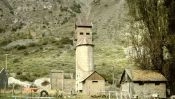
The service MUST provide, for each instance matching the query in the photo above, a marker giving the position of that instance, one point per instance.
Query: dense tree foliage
(156, 48)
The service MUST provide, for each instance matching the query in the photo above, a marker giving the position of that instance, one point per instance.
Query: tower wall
(84, 58)
(84, 63)
(84, 53)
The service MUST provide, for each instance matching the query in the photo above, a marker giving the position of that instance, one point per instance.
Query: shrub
(63, 8)
(21, 47)
(97, 2)
(5, 42)
(65, 20)
(16, 60)
(26, 53)
(76, 7)
(2, 30)
(65, 40)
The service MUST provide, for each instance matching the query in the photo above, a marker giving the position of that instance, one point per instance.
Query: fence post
(109, 95)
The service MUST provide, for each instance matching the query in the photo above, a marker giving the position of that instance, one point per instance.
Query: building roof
(94, 76)
(144, 75)
(84, 41)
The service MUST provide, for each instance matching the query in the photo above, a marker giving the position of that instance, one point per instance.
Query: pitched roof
(144, 75)
(93, 77)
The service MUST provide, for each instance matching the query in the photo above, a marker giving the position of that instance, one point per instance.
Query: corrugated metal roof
(145, 75)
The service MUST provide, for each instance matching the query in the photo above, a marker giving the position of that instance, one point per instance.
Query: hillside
(38, 35)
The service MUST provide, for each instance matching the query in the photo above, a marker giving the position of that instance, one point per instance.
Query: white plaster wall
(91, 88)
(84, 30)
(84, 63)
(148, 89)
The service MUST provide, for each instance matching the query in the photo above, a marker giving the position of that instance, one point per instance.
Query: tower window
(157, 83)
(141, 83)
(81, 33)
(87, 33)
(94, 81)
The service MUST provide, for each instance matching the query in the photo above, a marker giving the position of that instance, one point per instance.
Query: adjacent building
(143, 83)
(94, 84)
(57, 79)
(62, 81)
(3, 79)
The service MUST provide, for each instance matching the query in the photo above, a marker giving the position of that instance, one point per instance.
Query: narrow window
(87, 33)
(157, 83)
(141, 83)
(81, 91)
(81, 33)
(94, 81)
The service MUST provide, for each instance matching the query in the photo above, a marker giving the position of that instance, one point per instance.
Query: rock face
(51, 23)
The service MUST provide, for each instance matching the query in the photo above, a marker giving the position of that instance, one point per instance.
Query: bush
(76, 7)
(97, 2)
(63, 8)
(16, 60)
(64, 41)
(65, 20)
(26, 53)
(2, 30)
(21, 47)
(5, 42)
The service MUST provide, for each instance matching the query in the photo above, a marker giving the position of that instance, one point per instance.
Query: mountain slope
(51, 23)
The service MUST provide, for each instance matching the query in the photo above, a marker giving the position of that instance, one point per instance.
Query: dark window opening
(94, 81)
(141, 83)
(81, 33)
(80, 91)
(87, 33)
(157, 83)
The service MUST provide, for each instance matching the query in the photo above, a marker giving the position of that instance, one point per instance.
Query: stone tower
(84, 52)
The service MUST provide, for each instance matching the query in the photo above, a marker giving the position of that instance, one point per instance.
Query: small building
(62, 81)
(143, 83)
(57, 79)
(3, 79)
(94, 84)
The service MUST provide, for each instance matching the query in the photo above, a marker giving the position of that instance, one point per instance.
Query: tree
(158, 20)
(153, 15)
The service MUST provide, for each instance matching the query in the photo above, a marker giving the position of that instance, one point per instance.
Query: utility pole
(6, 61)
(113, 76)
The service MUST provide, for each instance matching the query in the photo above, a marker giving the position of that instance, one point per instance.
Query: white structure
(84, 52)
